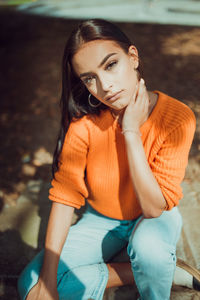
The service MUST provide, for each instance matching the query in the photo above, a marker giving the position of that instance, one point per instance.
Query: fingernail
(142, 81)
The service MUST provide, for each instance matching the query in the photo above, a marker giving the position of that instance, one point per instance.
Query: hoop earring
(91, 104)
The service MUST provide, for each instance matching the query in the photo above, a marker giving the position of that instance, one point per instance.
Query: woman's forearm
(58, 226)
(147, 189)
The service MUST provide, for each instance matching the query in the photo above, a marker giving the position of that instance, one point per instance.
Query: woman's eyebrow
(105, 59)
(101, 64)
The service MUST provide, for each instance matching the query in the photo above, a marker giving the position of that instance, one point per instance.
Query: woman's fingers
(136, 113)
(142, 99)
(135, 93)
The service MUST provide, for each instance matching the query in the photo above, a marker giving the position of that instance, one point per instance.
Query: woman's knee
(154, 240)
(149, 253)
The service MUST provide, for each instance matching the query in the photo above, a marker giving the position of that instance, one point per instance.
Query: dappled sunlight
(23, 212)
(42, 157)
(31, 165)
(28, 170)
(10, 197)
(182, 43)
(193, 171)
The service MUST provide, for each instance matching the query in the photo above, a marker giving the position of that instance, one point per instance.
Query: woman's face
(108, 72)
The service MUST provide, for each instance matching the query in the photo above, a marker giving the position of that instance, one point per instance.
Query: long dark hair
(74, 97)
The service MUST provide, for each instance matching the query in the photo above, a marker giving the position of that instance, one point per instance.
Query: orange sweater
(94, 165)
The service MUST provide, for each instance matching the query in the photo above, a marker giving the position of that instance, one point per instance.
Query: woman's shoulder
(173, 110)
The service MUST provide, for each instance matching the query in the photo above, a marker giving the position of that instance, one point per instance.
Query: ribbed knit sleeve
(68, 186)
(171, 160)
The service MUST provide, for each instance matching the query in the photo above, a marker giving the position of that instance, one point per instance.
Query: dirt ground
(31, 50)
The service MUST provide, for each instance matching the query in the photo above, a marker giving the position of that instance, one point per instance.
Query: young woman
(122, 151)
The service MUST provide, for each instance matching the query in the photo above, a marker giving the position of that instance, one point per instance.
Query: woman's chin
(119, 107)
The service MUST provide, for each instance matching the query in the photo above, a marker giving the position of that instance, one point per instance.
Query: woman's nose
(105, 83)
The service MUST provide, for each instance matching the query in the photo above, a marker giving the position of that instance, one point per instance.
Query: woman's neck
(118, 114)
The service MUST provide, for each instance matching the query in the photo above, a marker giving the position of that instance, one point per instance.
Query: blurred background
(32, 39)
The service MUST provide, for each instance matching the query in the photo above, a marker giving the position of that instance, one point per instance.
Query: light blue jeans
(95, 239)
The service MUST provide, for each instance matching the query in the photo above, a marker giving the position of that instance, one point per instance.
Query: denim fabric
(152, 252)
(95, 239)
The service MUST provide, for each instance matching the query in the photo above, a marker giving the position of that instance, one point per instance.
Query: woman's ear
(133, 53)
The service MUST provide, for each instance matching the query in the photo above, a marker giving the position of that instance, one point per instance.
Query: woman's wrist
(48, 278)
(50, 265)
(131, 131)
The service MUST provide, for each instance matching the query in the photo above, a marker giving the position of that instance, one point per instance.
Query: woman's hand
(136, 112)
(41, 291)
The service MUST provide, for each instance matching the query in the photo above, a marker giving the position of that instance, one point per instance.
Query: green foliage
(15, 2)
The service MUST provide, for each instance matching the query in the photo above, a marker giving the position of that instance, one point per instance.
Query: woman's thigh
(93, 239)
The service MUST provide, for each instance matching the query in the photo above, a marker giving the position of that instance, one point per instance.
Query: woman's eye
(111, 65)
(88, 80)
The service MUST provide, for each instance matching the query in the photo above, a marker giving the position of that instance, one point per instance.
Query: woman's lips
(114, 97)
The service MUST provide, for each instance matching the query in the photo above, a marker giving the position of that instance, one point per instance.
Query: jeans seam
(98, 292)
(179, 228)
